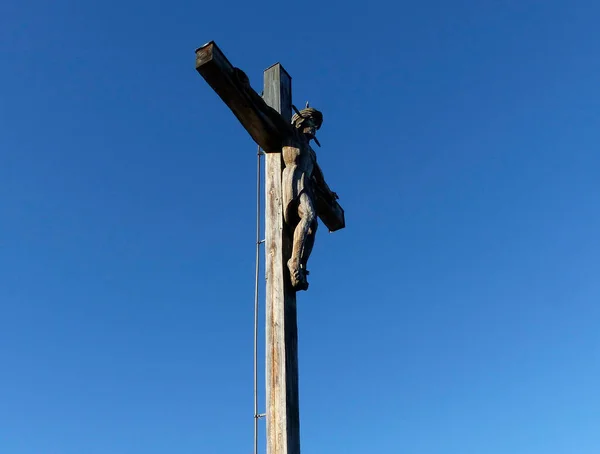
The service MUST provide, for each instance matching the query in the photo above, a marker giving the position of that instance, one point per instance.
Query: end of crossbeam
(331, 213)
(205, 45)
(205, 53)
(210, 52)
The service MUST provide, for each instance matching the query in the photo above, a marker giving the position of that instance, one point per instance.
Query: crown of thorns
(308, 113)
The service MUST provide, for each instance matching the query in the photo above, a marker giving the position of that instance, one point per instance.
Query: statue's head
(308, 121)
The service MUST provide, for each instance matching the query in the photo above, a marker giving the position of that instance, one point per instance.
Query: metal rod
(258, 243)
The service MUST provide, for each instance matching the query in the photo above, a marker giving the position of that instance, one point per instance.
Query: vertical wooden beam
(283, 417)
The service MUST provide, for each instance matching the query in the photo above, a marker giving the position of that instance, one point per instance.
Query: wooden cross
(267, 120)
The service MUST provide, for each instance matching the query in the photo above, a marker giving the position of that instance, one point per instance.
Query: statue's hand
(335, 196)
(241, 76)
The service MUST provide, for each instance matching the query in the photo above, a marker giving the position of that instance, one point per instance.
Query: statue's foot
(297, 276)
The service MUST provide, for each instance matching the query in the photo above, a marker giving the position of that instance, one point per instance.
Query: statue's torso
(300, 155)
(299, 161)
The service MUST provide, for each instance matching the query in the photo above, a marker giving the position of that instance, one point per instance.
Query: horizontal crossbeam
(263, 123)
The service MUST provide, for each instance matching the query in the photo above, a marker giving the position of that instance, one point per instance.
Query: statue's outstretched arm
(321, 184)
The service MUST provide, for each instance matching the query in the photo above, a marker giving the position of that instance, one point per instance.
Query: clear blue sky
(458, 312)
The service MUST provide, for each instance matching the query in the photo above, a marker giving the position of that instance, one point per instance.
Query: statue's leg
(303, 242)
(309, 243)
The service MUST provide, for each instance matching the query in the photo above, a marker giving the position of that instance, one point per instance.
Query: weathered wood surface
(264, 124)
(283, 417)
(328, 208)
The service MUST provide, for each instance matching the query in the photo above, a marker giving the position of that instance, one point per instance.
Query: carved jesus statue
(305, 195)
(302, 182)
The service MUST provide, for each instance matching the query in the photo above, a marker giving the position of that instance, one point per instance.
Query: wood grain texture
(263, 123)
(283, 417)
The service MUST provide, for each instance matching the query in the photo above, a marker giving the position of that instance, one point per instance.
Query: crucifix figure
(296, 194)
(302, 179)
